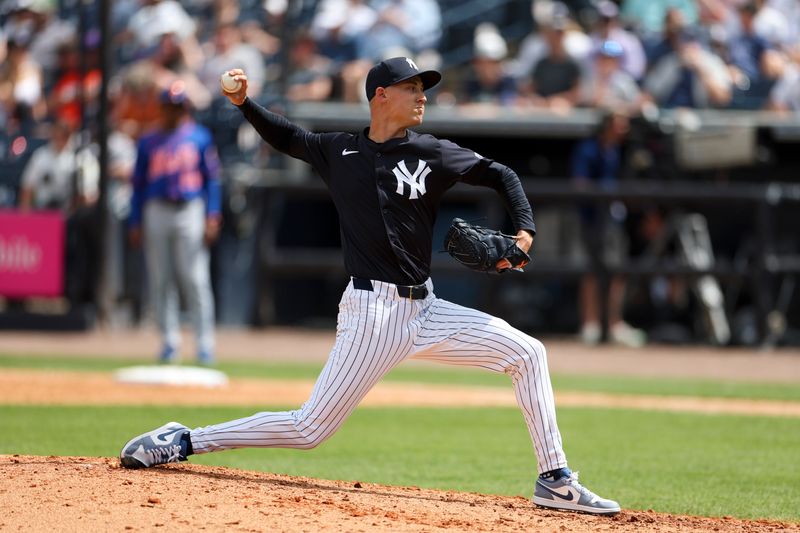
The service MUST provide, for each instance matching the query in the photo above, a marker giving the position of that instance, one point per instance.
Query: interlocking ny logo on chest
(415, 180)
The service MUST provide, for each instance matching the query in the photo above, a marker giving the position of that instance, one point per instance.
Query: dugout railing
(739, 163)
(766, 274)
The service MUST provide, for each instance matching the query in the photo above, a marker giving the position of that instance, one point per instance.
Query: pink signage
(31, 253)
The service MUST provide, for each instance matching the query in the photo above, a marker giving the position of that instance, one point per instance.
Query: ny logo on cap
(412, 64)
(415, 181)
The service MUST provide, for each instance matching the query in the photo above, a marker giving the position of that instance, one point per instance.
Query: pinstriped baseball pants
(376, 331)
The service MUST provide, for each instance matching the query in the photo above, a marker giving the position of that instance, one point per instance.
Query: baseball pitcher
(387, 182)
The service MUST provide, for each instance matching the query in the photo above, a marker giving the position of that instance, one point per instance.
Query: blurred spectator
(121, 13)
(137, 108)
(753, 63)
(688, 76)
(717, 21)
(666, 42)
(785, 94)
(414, 25)
(352, 77)
(596, 164)
(380, 29)
(487, 81)
(21, 81)
(71, 88)
(338, 26)
(60, 175)
(607, 85)
(121, 158)
(778, 21)
(647, 17)
(170, 63)
(210, 14)
(20, 137)
(715, 12)
(154, 19)
(36, 22)
(257, 36)
(63, 176)
(175, 214)
(555, 80)
(607, 28)
(309, 78)
(535, 46)
(274, 16)
(227, 51)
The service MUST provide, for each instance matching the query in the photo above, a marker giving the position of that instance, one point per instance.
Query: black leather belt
(412, 292)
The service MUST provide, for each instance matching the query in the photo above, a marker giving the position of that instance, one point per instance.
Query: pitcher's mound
(171, 375)
(46, 494)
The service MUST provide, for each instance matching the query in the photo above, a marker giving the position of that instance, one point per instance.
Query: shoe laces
(165, 454)
(572, 479)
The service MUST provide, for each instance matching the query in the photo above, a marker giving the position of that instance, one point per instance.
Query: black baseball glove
(480, 248)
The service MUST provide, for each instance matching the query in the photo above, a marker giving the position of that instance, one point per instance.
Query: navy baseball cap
(391, 71)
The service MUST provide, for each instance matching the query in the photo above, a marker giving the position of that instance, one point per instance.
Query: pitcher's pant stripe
(464, 336)
(378, 330)
(359, 359)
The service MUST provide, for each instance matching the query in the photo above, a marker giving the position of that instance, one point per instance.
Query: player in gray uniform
(386, 183)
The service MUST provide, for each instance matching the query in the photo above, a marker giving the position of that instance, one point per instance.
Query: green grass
(423, 373)
(677, 463)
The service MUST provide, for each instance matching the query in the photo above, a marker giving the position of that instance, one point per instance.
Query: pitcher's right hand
(238, 97)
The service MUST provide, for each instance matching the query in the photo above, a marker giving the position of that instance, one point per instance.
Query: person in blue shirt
(596, 164)
(175, 216)
(754, 63)
(686, 73)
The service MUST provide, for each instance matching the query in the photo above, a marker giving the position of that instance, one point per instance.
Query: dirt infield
(94, 494)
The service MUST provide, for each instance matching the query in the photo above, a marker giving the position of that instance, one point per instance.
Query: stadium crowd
(740, 54)
(628, 56)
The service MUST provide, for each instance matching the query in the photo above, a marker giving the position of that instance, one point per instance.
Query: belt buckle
(412, 292)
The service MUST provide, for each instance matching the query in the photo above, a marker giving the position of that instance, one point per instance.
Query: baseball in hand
(229, 84)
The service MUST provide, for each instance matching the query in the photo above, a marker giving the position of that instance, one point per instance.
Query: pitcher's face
(406, 101)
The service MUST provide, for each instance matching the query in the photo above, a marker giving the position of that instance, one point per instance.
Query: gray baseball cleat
(567, 493)
(157, 447)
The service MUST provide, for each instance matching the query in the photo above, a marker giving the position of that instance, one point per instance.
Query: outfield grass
(679, 463)
(424, 373)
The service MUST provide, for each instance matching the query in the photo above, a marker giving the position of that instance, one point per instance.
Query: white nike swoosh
(165, 438)
(565, 492)
(348, 152)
